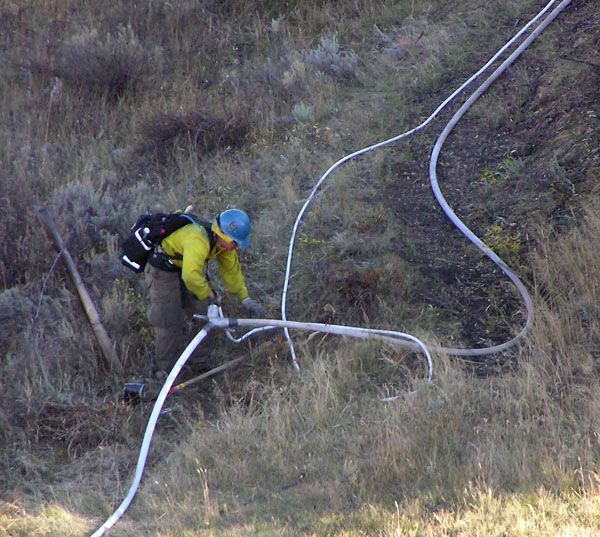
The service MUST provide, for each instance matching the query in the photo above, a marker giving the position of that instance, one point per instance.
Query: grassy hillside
(112, 109)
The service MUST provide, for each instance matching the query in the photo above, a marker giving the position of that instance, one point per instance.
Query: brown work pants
(170, 306)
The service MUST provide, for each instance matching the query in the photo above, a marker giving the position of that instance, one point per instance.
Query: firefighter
(178, 284)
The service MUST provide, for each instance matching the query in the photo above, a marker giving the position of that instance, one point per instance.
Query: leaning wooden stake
(110, 356)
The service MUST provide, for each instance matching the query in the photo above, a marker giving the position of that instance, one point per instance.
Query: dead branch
(110, 356)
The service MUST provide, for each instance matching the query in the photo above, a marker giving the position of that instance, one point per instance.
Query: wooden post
(110, 356)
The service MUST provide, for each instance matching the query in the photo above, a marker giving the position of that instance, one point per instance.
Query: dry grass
(512, 454)
(277, 455)
(201, 131)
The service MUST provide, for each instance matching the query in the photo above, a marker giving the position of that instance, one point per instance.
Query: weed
(327, 58)
(488, 176)
(294, 79)
(509, 168)
(559, 178)
(505, 242)
(304, 113)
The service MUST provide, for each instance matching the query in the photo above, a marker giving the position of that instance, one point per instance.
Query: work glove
(253, 307)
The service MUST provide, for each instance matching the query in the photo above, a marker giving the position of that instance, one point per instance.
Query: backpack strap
(204, 226)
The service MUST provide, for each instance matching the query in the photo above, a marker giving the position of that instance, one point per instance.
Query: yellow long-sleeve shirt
(192, 244)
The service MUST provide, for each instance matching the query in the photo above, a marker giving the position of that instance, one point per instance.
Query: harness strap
(204, 226)
(162, 261)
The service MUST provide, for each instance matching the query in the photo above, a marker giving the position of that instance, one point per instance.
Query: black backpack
(149, 230)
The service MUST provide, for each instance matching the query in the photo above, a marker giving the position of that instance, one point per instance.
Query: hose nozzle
(213, 312)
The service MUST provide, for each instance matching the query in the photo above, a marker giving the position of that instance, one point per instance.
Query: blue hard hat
(235, 224)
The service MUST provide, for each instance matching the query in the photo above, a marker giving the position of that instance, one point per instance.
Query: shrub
(303, 113)
(84, 215)
(88, 63)
(327, 58)
(204, 131)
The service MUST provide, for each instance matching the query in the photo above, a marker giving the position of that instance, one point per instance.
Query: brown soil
(554, 122)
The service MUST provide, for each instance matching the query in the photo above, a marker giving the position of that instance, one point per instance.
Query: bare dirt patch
(538, 165)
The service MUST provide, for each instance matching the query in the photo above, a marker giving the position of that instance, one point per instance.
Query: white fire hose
(216, 320)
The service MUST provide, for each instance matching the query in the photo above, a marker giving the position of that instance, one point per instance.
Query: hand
(253, 307)
(215, 297)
